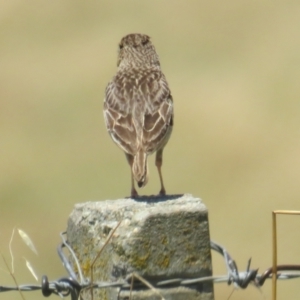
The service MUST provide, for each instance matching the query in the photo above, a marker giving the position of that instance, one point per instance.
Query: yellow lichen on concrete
(164, 261)
(140, 262)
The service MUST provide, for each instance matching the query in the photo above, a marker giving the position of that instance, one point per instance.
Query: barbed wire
(71, 285)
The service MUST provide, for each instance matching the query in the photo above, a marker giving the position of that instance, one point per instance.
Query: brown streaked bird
(138, 107)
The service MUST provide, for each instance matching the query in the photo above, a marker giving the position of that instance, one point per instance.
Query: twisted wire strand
(70, 286)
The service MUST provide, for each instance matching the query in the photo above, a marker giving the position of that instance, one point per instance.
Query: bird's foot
(162, 192)
(134, 193)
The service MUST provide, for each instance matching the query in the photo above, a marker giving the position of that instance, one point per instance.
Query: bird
(138, 108)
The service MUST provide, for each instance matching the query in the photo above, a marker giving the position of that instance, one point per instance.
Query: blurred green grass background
(233, 68)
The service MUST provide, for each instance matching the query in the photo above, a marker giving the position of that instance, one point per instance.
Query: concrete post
(159, 239)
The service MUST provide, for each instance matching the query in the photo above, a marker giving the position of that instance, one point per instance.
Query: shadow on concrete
(155, 198)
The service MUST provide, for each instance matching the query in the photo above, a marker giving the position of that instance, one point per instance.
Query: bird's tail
(140, 168)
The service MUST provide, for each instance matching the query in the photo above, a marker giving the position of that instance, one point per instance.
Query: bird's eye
(121, 46)
(145, 42)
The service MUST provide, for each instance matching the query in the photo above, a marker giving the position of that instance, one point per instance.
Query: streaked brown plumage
(138, 107)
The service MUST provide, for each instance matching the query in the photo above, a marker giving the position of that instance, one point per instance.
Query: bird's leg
(158, 163)
(133, 192)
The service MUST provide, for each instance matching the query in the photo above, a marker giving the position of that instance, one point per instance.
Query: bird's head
(137, 50)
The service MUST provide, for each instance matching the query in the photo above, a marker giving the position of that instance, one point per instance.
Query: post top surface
(186, 201)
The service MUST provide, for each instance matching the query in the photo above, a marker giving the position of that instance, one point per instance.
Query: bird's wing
(118, 119)
(158, 118)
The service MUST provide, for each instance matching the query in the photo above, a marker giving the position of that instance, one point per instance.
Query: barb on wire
(65, 260)
(240, 279)
(243, 279)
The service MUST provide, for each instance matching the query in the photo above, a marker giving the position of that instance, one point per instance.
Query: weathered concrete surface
(158, 238)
